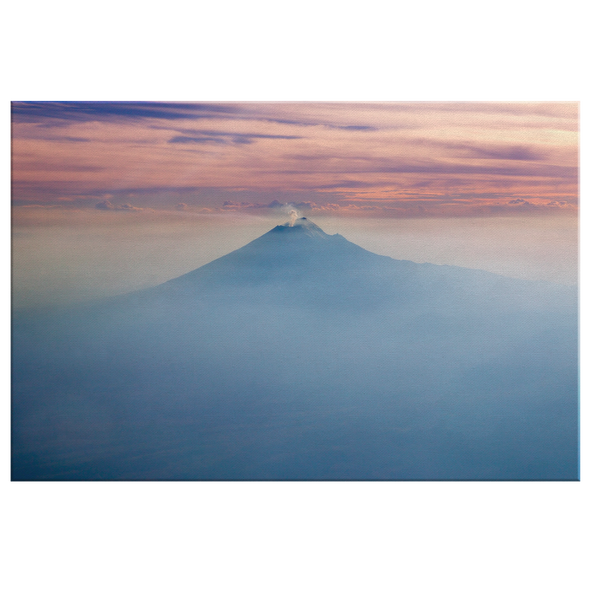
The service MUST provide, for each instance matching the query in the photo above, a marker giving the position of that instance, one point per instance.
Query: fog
(303, 360)
(63, 256)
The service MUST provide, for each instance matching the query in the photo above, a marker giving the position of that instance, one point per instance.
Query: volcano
(302, 356)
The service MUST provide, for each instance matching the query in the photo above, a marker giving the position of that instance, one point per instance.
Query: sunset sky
(113, 196)
(386, 159)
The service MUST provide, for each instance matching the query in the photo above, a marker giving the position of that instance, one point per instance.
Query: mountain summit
(300, 262)
(301, 226)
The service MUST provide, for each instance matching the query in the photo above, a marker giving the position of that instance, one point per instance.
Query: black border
(297, 481)
(10, 196)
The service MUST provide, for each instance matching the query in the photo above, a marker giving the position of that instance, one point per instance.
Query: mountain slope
(301, 264)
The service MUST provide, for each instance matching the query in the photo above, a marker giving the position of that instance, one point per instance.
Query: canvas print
(294, 291)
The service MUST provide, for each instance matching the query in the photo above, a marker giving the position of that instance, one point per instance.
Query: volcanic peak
(302, 225)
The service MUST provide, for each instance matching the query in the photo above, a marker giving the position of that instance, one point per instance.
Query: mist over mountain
(303, 356)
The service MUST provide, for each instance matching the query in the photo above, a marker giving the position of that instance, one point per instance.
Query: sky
(108, 197)
(394, 159)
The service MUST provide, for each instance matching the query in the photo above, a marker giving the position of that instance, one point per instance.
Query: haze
(64, 256)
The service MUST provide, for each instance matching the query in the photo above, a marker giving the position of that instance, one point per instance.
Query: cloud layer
(391, 158)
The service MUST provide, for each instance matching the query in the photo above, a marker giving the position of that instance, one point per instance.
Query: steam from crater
(293, 216)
